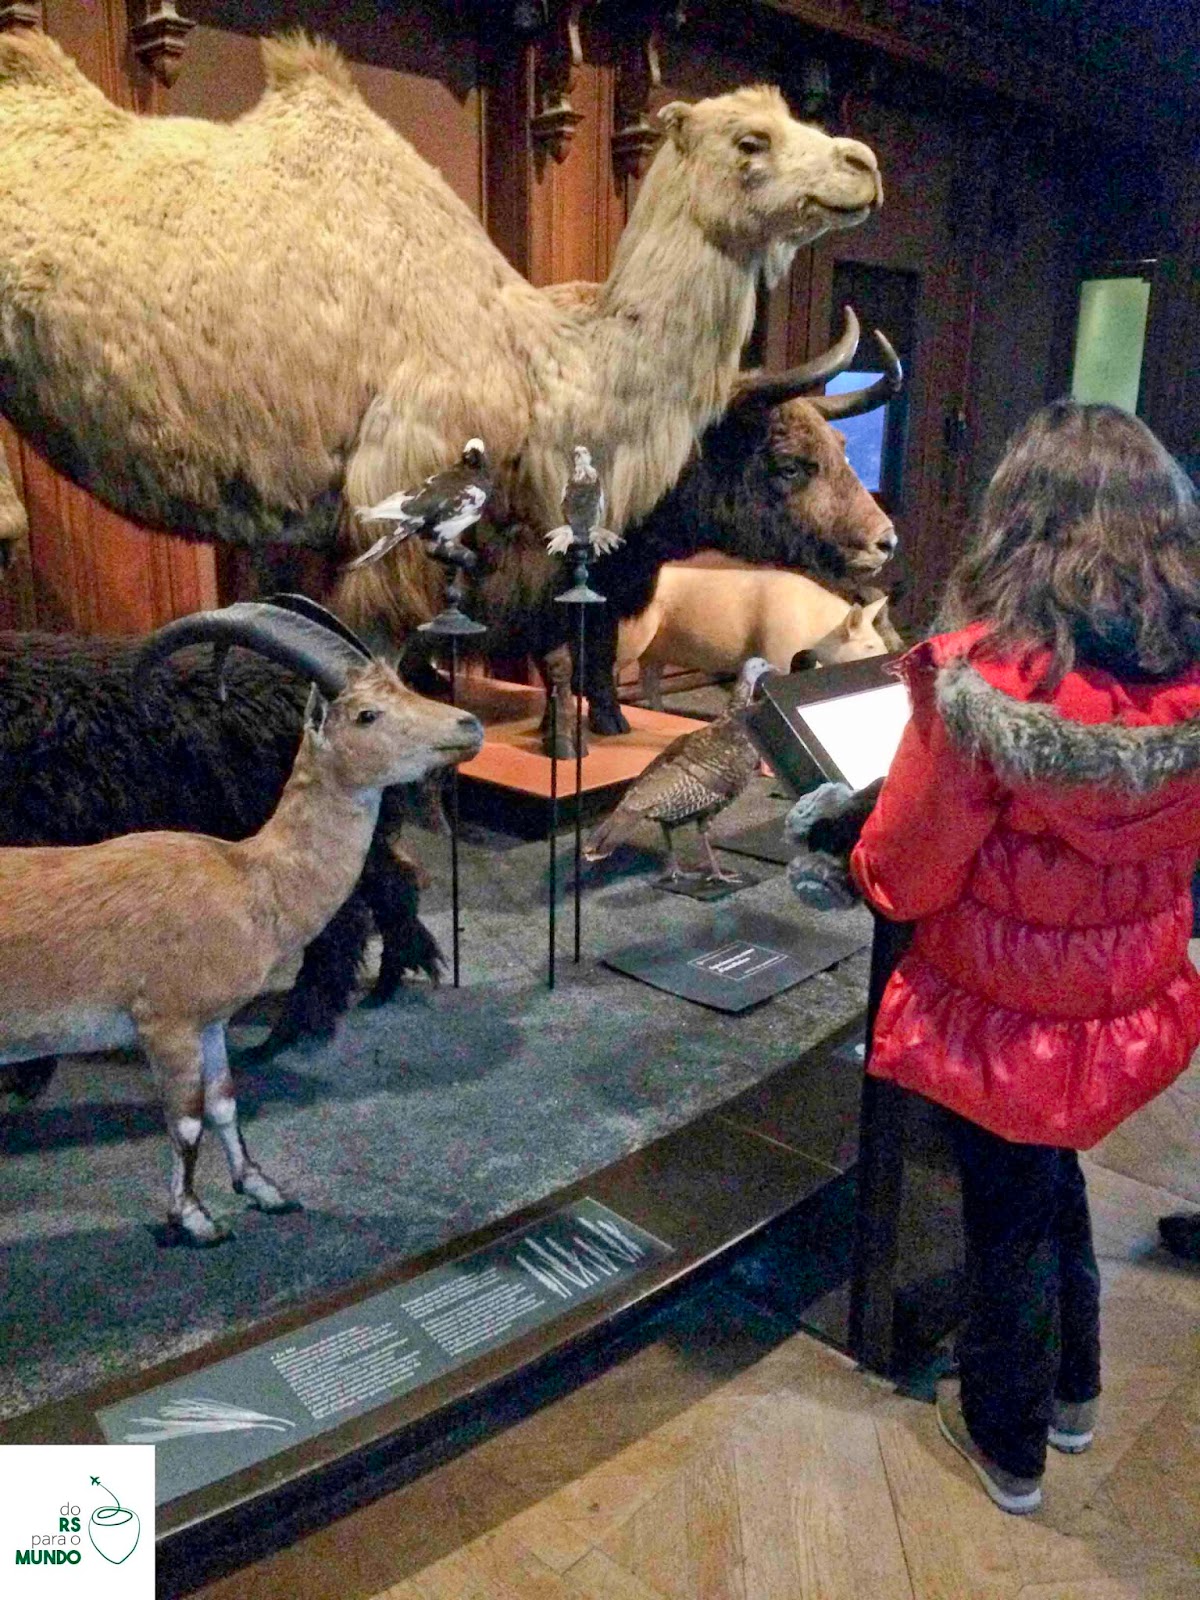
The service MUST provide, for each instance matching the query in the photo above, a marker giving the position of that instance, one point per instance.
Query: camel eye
(369, 715)
(754, 144)
(794, 468)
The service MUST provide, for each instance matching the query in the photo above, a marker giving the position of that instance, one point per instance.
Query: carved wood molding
(556, 55)
(21, 14)
(635, 138)
(160, 38)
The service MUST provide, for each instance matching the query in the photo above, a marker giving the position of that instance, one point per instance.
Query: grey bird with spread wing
(438, 513)
(583, 508)
(692, 780)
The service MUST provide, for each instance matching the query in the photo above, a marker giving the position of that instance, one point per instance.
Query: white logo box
(77, 1520)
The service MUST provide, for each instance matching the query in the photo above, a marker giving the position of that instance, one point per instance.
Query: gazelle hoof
(197, 1233)
(261, 1192)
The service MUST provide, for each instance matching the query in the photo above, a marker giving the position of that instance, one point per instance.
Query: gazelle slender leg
(220, 1107)
(651, 686)
(176, 1056)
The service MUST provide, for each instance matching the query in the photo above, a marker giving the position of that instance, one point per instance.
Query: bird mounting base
(704, 886)
(451, 624)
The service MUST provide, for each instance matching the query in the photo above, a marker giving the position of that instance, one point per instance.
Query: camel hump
(29, 56)
(290, 58)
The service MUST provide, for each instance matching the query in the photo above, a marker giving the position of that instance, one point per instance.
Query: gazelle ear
(851, 622)
(315, 712)
(677, 120)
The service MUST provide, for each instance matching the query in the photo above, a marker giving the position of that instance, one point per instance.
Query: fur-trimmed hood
(1037, 742)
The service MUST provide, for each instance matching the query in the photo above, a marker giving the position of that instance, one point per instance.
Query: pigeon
(439, 512)
(692, 780)
(583, 508)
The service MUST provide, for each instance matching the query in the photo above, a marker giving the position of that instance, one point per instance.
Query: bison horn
(855, 401)
(773, 388)
(293, 638)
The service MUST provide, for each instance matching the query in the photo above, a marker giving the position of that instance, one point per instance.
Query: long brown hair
(1087, 543)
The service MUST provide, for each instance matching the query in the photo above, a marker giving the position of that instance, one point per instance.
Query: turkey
(692, 780)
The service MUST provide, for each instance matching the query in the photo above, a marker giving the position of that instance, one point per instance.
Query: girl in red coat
(1040, 826)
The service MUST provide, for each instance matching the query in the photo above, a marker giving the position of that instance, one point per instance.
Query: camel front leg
(555, 668)
(220, 1107)
(177, 1057)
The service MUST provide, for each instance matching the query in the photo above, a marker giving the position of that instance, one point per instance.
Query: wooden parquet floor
(723, 1463)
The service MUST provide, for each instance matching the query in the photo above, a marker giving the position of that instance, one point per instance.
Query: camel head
(759, 182)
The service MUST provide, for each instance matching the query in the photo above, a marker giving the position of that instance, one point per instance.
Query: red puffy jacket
(1044, 845)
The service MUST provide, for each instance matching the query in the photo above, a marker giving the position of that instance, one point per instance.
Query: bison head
(755, 180)
(778, 485)
(810, 480)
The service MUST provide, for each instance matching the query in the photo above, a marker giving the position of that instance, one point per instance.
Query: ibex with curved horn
(155, 939)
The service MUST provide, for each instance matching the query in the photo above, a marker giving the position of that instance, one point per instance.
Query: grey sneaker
(1005, 1489)
(1073, 1426)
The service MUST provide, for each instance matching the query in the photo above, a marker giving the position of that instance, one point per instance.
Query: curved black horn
(855, 401)
(773, 388)
(304, 607)
(306, 646)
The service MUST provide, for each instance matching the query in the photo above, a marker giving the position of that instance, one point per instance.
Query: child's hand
(821, 881)
(827, 800)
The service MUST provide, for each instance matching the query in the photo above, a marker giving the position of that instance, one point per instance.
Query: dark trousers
(1032, 1332)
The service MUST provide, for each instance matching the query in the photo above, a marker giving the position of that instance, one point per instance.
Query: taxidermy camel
(306, 316)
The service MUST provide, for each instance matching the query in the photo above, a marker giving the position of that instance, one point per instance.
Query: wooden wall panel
(92, 570)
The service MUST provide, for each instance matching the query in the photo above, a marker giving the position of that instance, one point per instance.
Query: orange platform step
(508, 782)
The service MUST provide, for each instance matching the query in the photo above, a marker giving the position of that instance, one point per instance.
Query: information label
(242, 1410)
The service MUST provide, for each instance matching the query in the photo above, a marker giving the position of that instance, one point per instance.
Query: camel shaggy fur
(219, 328)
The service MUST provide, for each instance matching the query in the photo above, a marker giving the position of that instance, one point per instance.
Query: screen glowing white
(860, 731)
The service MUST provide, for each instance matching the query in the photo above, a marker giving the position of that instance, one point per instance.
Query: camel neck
(690, 300)
(309, 855)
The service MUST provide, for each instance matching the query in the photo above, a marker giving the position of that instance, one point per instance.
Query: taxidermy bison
(83, 758)
(769, 485)
(307, 316)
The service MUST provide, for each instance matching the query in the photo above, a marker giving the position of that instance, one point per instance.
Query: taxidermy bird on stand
(438, 514)
(692, 780)
(583, 509)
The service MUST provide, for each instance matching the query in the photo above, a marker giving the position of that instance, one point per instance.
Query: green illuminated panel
(1109, 340)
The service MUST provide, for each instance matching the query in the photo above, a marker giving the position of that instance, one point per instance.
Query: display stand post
(880, 1179)
(553, 875)
(452, 624)
(580, 595)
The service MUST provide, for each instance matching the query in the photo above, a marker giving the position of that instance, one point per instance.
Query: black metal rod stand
(552, 929)
(581, 596)
(581, 676)
(453, 624)
(455, 923)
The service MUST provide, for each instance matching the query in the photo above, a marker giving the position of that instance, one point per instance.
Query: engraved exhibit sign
(251, 1406)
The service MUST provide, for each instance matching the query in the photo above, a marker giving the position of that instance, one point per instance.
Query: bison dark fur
(82, 759)
(769, 486)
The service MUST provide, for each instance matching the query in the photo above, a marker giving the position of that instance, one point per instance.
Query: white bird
(439, 512)
(583, 508)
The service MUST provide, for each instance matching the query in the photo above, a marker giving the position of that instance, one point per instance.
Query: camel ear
(677, 120)
(851, 622)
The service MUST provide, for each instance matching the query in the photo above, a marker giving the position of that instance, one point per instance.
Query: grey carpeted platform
(423, 1120)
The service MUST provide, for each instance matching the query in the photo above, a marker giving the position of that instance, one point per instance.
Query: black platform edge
(528, 815)
(710, 1189)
